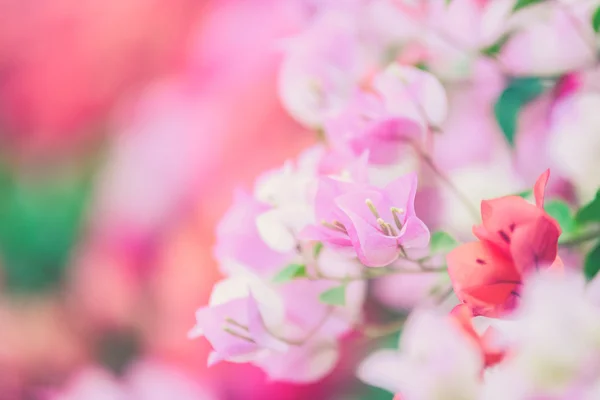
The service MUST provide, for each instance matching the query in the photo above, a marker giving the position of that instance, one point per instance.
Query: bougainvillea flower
(484, 278)
(516, 237)
(238, 239)
(321, 67)
(238, 325)
(376, 222)
(573, 144)
(366, 124)
(435, 360)
(492, 355)
(413, 93)
(553, 341)
(302, 364)
(520, 229)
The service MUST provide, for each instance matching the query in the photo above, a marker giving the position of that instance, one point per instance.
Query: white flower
(435, 362)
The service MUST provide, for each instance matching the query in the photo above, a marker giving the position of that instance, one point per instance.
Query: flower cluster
(551, 350)
(423, 110)
(296, 254)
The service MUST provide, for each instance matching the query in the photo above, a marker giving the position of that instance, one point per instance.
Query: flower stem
(373, 331)
(582, 238)
(448, 182)
(374, 273)
(575, 22)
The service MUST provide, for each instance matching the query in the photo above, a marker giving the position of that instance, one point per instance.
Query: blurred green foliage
(588, 221)
(561, 212)
(525, 3)
(361, 391)
(41, 216)
(596, 20)
(518, 93)
(442, 242)
(590, 212)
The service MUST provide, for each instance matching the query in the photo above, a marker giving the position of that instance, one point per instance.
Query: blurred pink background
(171, 105)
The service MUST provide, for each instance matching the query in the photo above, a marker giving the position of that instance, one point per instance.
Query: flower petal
(414, 234)
(535, 245)
(402, 191)
(258, 330)
(374, 249)
(483, 278)
(380, 369)
(540, 187)
(501, 217)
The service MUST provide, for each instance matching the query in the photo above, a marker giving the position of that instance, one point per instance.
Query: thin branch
(581, 239)
(309, 335)
(448, 182)
(576, 24)
(373, 331)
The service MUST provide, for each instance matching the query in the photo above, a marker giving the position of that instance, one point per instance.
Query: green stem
(580, 239)
(373, 273)
(373, 331)
(448, 182)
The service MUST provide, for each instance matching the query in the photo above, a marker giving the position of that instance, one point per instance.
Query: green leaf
(422, 66)
(41, 218)
(525, 194)
(525, 3)
(335, 296)
(592, 263)
(442, 242)
(494, 49)
(290, 272)
(590, 212)
(515, 96)
(561, 212)
(317, 249)
(596, 20)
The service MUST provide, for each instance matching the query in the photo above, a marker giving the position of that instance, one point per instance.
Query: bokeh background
(125, 126)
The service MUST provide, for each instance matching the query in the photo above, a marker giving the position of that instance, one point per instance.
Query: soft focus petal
(301, 364)
(502, 216)
(483, 278)
(259, 332)
(413, 93)
(380, 368)
(238, 237)
(414, 234)
(535, 245)
(540, 187)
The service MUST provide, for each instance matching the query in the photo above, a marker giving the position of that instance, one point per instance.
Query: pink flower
(573, 142)
(376, 222)
(302, 364)
(553, 340)
(366, 124)
(321, 67)
(412, 93)
(565, 26)
(145, 380)
(515, 238)
(238, 239)
(435, 360)
(238, 325)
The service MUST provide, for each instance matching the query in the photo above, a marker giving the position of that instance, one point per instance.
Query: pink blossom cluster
(422, 109)
(551, 343)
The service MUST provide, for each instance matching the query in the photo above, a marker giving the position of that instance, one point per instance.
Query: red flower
(515, 237)
(492, 355)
